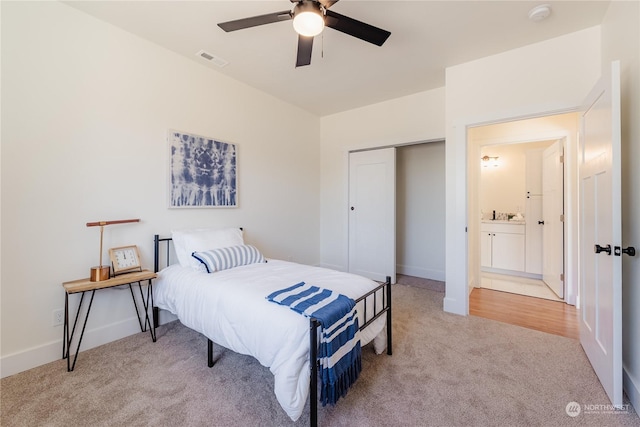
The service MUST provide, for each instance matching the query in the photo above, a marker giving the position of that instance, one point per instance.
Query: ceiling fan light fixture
(308, 19)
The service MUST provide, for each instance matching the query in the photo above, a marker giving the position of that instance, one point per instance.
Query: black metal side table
(86, 285)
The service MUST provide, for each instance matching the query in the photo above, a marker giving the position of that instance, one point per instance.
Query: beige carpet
(419, 282)
(446, 370)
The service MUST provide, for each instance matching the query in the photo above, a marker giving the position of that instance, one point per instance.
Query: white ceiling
(345, 72)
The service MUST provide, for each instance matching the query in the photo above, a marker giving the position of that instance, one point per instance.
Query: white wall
(503, 188)
(418, 117)
(420, 214)
(621, 41)
(549, 76)
(85, 112)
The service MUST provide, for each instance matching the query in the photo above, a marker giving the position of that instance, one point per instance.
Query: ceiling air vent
(212, 58)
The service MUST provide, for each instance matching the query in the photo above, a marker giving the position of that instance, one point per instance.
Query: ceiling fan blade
(327, 3)
(305, 45)
(356, 28)
(254, 21)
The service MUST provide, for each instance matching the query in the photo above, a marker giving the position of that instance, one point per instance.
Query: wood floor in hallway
(553, 317)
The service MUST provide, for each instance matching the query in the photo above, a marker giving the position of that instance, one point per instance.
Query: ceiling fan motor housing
(308, 6)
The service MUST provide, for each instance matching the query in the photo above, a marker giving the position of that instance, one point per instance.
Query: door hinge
(561, 218)
(561, 159)
(562, 277)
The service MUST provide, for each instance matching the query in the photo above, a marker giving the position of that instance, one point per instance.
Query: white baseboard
(454, 306)
(424, 273)
(632, 390)
(472, 285)
(50, 352)
(512, 273)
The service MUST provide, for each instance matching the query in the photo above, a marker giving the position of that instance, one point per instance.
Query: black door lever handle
(597, 249)
(631, 251)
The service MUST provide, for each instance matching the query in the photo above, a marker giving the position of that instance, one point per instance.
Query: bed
(229, 306)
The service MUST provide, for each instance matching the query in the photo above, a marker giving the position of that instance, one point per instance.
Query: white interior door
(372, 211)
(600, 232)
(553, 217)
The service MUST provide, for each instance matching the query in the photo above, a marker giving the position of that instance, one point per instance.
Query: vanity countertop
(503, 221)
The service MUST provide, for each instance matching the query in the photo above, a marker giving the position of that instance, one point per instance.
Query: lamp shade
(308, 20)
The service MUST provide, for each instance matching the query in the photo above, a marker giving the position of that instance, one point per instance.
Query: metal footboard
(368, 316)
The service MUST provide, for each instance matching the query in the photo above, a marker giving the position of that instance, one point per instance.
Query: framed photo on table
(202, 172)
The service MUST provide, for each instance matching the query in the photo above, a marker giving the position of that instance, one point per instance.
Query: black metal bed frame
(314, 325)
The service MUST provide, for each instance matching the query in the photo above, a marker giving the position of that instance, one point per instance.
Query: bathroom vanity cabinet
(502, 245)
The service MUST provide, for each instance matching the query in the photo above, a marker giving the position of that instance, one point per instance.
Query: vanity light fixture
(489, 161)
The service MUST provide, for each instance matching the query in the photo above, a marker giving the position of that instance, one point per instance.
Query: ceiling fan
(309, 19)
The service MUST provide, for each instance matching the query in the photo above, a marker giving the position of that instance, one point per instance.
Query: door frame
(345, 203)
(465, 225)
(506, 140)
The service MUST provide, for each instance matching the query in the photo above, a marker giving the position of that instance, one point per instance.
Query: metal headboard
(156, 251)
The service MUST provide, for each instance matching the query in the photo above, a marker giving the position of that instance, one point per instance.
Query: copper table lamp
(101, 272)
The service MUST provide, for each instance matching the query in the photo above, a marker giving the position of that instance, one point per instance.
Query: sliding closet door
(372, 213)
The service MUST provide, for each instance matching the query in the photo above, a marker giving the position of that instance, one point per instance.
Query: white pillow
(186, 242)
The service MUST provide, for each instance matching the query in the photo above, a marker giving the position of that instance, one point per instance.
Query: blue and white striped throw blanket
(340, 353)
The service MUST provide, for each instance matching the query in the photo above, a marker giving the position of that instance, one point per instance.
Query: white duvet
(229, 307)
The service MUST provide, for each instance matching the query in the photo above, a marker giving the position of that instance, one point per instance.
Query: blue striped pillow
(229, 257)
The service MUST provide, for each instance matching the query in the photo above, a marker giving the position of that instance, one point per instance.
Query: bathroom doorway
(521, 228)
(508, 229)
